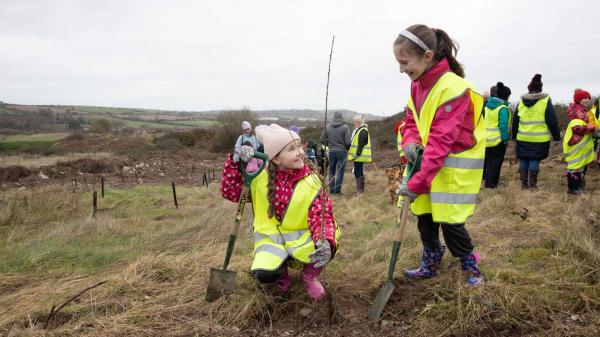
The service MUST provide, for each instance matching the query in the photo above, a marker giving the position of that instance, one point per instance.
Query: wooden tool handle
(402, 220)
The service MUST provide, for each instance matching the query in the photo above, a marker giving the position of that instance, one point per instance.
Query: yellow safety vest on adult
(579, 155)
(532, 122)
(275, 241)
(454, 189)
(491, 125)
(365, 155)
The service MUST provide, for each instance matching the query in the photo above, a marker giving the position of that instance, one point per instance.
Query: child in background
(287, 200)
(310, 150)
(254, 163)
(578, 146)
(497, 121)
(444, 119)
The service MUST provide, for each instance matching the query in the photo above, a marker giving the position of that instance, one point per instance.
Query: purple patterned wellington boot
(469, 266)
(430, 263)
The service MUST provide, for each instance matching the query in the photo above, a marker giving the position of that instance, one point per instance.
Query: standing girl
(287, 201)
(444, 119)
(497, 122)
(578, 146)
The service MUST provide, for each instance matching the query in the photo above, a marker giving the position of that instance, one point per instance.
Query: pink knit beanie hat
(274, 138)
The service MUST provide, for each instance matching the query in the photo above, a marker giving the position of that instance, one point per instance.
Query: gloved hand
(403, 190)
(411, 151)
(321, 256)
(245, 152)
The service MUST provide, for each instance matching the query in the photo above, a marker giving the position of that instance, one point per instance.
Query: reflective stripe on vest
(493, 136)
(454, 189)
(579, 155)
(365, 155)
(275, 241)
(532, 122)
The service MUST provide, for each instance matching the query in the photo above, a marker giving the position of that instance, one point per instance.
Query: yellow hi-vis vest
(592, 117)
(580, 154)
(274, 242)
(365, 155)
(399, 141)
(532, 122)
(491, 125)
(454, 189)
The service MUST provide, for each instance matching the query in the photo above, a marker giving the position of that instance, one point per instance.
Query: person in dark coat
(336, 137)
(531, 147)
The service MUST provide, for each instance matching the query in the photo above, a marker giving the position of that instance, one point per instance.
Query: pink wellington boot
(284, 281)
(311, 284)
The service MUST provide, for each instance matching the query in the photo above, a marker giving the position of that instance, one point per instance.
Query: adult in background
(336, 137)
(534, 125)
(247, 136)
(497, 121)
(360, 150)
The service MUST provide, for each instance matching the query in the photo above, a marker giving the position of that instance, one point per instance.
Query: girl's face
(586, 102)
(291, 157)
(412, 64)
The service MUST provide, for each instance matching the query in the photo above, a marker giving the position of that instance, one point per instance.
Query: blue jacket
(503, 115)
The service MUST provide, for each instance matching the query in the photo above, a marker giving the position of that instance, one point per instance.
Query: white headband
(414, 39)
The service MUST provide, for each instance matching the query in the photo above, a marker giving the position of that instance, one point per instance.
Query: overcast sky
(203, 55)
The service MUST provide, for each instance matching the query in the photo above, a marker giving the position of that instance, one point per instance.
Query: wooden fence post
(174, 194)
(102, 185)
(94, 203)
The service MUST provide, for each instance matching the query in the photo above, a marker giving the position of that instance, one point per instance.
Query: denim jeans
(529, 165)
(337, 165)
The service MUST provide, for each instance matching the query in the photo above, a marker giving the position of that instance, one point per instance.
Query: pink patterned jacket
(231, 188)
(449, 132)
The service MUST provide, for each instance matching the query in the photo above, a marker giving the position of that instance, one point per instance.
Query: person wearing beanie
(246, 136)
(295, 129)
(594, 119)
(497, 121)
(287, 200)
(578, 146)
(360, 150)
(336, 138)
(534, 125)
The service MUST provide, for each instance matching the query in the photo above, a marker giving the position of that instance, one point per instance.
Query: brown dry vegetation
(542, 266)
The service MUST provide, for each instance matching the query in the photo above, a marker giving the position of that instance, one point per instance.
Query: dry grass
(542, 268)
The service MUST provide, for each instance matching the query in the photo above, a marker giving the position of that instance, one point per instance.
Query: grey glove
(403, 190)
(411, 151)
(321, 256)
(245, 152)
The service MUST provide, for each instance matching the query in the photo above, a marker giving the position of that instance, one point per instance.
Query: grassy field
(133, 124)
(542, 266)
(193, 123)
(30, 142)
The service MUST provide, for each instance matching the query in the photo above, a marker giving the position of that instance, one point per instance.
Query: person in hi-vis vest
(497, 123)
(360, 150)
(578, 146)
(534, 125)
(287, 200)
(444, 119)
